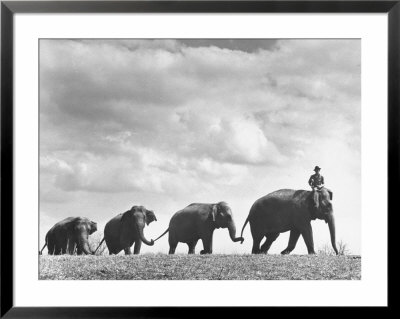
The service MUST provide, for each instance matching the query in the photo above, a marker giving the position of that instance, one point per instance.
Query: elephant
(70, 234)
(289, 210)
(127, 228)
(198, 221)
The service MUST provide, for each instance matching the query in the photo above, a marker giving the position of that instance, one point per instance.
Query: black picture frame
(9, 8)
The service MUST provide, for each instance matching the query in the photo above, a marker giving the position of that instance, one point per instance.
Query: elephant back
(278, 200)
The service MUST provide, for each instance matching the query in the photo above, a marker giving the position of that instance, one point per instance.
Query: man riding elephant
(316, 182)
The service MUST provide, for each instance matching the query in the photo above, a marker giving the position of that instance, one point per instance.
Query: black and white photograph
(199, 159)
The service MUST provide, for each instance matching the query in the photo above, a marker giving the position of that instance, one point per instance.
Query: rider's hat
(317, 167)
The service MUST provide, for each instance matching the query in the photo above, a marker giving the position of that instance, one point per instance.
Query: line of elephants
(278, 212)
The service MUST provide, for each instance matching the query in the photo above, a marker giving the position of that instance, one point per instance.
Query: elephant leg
(136, 249)
(57, 250)
(71, 246)
(76, 250)
(271, 237)
(308, 238)
(60, 247)
(192, 246)
(64, 247)
(257, 235)
(256, 244)
(293, 238)
(51, 248)
(207, 245)
(172, 248)
(79, 248)
(173, 242)
(127, 251)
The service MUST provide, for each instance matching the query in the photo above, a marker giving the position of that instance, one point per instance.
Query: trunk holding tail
(244, 226)
(232, 232)
(99, 246)
(143, 239)
(162, 235)
(332, 231)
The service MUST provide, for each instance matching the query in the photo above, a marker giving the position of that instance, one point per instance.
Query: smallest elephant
(70, 234)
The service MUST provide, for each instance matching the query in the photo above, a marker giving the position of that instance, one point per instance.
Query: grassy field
(200, 267)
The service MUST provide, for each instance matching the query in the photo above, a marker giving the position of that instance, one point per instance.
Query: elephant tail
(244, 226)
(99, 246)
(162, 234)
(40, 252)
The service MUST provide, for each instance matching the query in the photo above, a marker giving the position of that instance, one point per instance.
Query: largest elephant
(127, 228)
(289, 210)
(198, 221)
(68, 235)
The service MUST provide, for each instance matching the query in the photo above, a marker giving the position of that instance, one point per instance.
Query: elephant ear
(224, 208)
(127, 228)
(213, 212)
(93, 227)
(330, 193)
(149, 216)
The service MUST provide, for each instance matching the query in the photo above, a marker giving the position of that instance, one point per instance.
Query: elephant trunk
(332, 230)
(141, 234)
(84, 245)
(232, 232)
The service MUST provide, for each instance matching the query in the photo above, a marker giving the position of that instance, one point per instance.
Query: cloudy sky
(164, 123)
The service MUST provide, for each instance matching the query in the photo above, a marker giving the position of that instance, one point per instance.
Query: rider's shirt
(316, 180)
